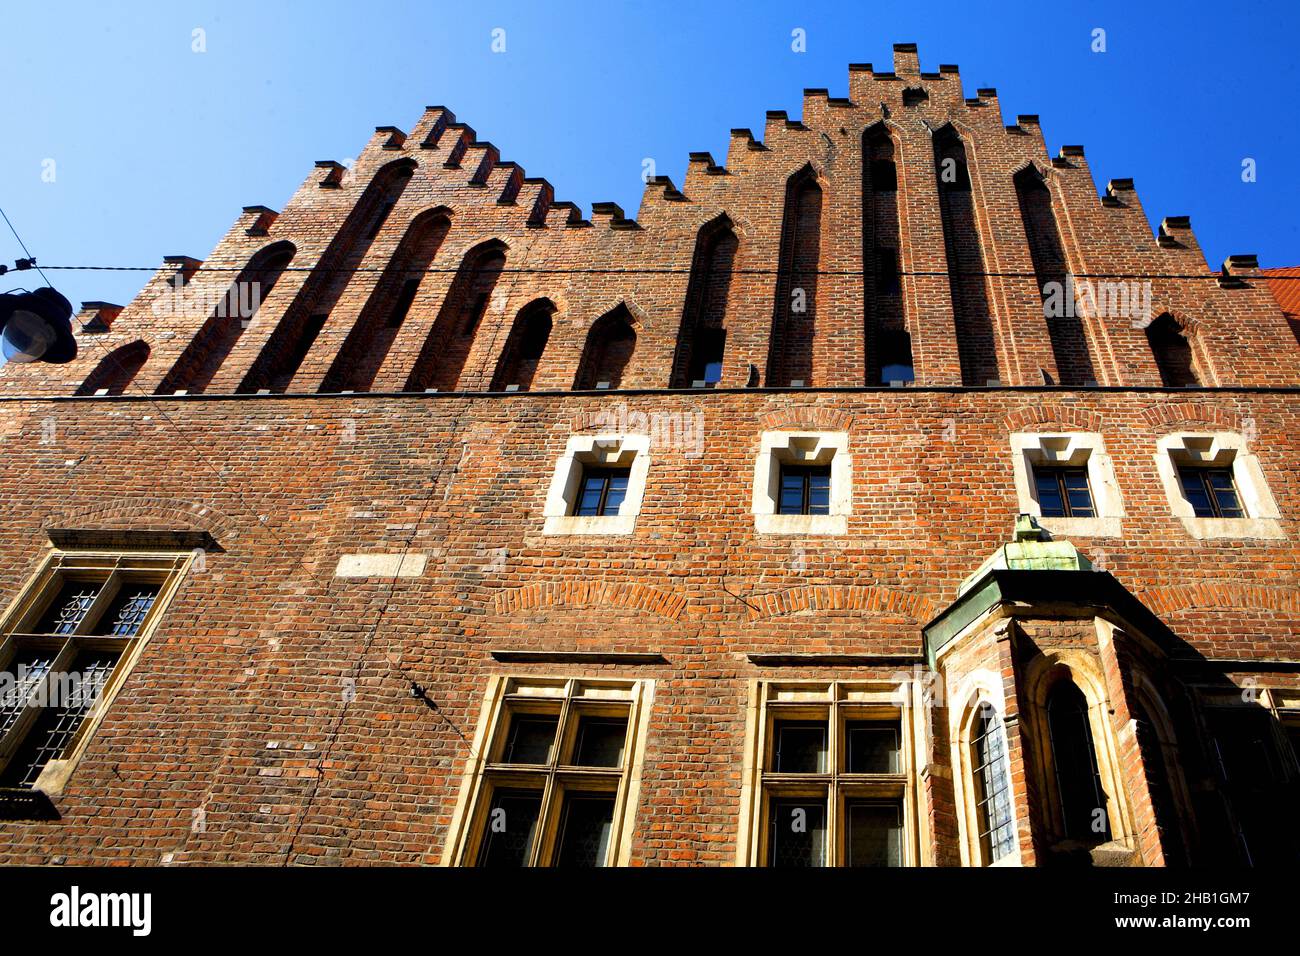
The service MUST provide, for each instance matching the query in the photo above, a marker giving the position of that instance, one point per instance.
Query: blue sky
(155, 147)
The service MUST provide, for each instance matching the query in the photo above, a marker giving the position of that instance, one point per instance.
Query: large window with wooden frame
(1251, 738)
(1063, 492)
(554, 775)
(832, 776)
(66, 646)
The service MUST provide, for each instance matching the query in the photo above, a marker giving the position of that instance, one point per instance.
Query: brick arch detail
(127, 513)
(1184, 413)
(1053, 415)
(869, 598)
(1184, 597)
(806, 416)
(637, 597)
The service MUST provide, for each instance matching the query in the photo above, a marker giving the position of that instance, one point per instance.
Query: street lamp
(36, 327)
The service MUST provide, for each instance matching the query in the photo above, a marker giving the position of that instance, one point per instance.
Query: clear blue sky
(157, 147)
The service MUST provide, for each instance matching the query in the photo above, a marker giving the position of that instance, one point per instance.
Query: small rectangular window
(1063, 492)
(602, 491)
(800, 747)
(872, 746)
(1210, 491)
(805, 490)
(585, 829)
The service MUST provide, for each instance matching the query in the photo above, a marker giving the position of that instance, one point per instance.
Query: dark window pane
(585, 829)
(615, 494)
(1244, 740)
(600, 742)
(511, 823)
(56, 725)
(1083, 802)
(69, 608)
(791, 493)
(800, 748)
(1050, 501)
(589, 499)
(875, 833)
(872, 746)
(819, 493)
(128, 609)
(1225, 493)
(531, 738)
(797, 834)
(23, 674)
(1196, 493)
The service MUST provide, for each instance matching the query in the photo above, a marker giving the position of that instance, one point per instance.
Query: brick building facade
(500, 535)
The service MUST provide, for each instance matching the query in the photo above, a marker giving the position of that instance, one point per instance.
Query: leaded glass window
(992, 778)
(69, 639)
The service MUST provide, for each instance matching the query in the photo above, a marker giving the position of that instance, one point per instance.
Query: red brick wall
(254, 649)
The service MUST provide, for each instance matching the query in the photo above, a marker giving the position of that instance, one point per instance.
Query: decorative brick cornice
(638, 597)
(811, 417)
(1053, 415)
(868, 598)
(1183, 413)
(1183, 597)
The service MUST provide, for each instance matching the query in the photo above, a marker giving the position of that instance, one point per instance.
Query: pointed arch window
(991, 776)
(116, 371)
(608, 351)
(701, 340)
(523, 352)
(1173, 353)
(1081, 798)
(447, 347)
(233, 312)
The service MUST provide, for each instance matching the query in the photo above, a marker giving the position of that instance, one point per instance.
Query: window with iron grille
(1063, 492)
(805, 490)
(602, 491)
(65, 649)
(554, 788)
(1210, 491)
(832, 782)
(992, 779)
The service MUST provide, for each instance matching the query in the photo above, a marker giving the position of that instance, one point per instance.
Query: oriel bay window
(555, 778)
(65, 649)
(831, 783)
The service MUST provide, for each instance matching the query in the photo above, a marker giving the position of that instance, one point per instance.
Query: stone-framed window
(985, 799)
(1221, 458)
(1053, 469)
(67, 646)
(553, 775)
(830, 771)
(628, 455)
(780, 451)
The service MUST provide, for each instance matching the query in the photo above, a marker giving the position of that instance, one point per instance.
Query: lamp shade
(36, 327)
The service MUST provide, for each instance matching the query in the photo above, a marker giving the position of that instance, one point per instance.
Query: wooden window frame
(1059, 473)
(111, 570)
(836, 704)
(569, 699)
